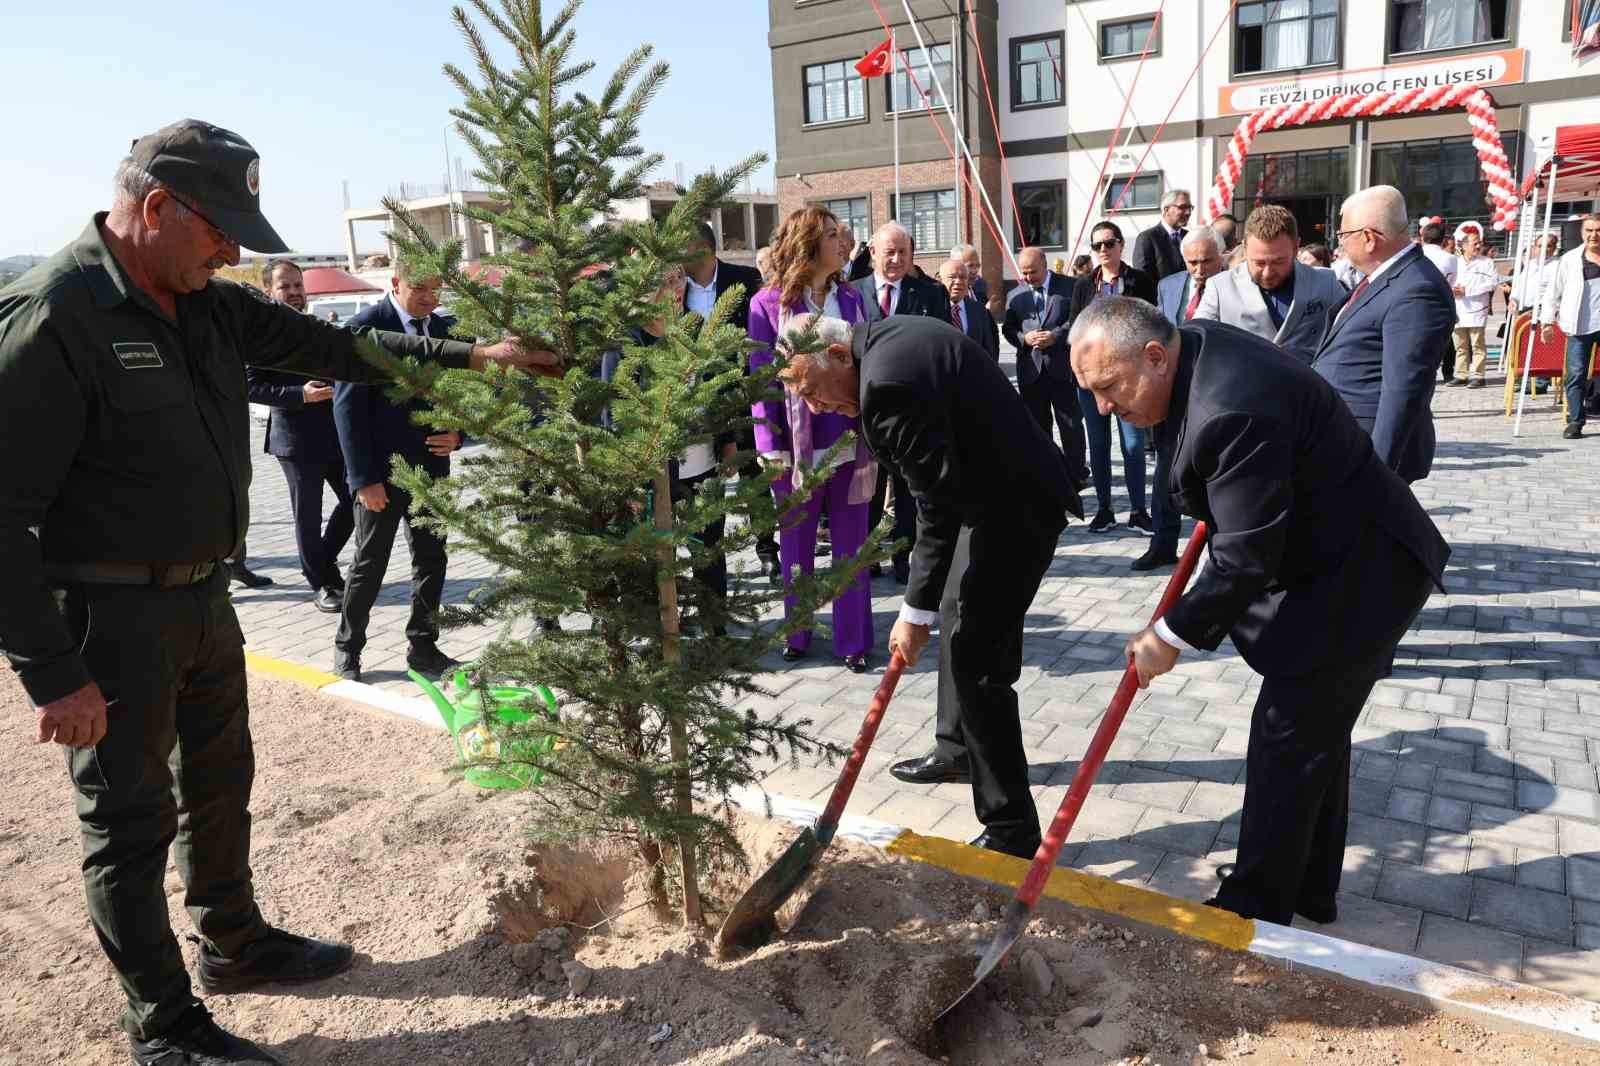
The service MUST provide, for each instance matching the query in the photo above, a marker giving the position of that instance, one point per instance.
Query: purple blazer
(772, 435)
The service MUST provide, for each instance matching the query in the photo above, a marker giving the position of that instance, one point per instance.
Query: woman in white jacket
(1573, 303)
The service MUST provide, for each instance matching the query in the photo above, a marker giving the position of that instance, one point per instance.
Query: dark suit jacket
(295, 430)
(373, 428)
(731, 274)
(861, 266)
(1057, 318)
(1381, 354)
(939, 412)
(918, 296)
(1308, 530)
(980, 326)
(1135, 283)
(1155, 254)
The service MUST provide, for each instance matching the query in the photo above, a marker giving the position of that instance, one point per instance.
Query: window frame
(904, 69)
(1106, 199)
(939, 246)
(1336, 63)
(1016, 43)
(827, 202)
(806, 121)
(1019, 189)
(1123, 20)
(1390, 54)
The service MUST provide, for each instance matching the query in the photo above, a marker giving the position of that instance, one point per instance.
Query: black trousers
(1045, 395)
(374, 532)
(714, 574)
(993, 578)
(175, 766)
(319, 546)
(766, 543)
(905, 510)
(1297, 786)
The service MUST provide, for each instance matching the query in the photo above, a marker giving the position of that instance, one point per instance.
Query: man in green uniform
(125, 481)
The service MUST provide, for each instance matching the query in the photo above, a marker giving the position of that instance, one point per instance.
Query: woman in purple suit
(805, 278)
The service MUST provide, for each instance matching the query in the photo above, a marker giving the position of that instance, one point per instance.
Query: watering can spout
(447, 709)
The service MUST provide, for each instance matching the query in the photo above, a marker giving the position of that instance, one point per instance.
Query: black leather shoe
(856, 664)
(793, 655)
(347, 666)
(1006, 845)
(932, 770)
(241, 574)
(328, 601)
(279, 956)
(198, 1041)
(1152, 559)
(427, 659)
(1572, 431)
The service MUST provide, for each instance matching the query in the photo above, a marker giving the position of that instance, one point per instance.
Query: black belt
(175, 576)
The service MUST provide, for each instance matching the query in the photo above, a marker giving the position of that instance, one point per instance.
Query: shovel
(1044, 860)
(753, 918)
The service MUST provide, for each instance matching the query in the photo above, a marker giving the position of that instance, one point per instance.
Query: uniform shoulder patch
(137, 355)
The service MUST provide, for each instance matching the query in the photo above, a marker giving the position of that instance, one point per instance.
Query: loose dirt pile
(472, 946)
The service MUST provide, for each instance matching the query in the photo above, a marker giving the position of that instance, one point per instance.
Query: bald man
(1036, 321)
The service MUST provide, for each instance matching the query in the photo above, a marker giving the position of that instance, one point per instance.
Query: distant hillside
(16, 264)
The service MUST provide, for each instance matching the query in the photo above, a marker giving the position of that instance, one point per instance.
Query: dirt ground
(469, 946)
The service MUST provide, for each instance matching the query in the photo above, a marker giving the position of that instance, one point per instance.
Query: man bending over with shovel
(993, 494)
(1320, 560)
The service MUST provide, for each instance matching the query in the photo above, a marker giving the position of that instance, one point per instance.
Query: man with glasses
(1158, 251)
(1382, 346)
(126, 482)
(1573, 302)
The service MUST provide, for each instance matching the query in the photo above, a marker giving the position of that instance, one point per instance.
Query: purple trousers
(797, 544)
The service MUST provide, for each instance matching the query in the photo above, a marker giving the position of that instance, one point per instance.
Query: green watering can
(466, 717)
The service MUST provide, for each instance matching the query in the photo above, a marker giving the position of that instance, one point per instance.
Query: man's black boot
(196, 1040)
(278, 956)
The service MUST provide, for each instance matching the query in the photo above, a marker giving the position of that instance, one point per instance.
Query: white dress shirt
(1448, 264)
(698, 458)
(406, 317)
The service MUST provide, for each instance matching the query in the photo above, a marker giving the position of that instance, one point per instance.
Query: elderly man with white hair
(993, 495)
(892, 288)
(1382, 345)
(968, 254)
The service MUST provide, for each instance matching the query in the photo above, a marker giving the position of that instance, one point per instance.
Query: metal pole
(894, 59)
(1549, 202)
(1519, 261)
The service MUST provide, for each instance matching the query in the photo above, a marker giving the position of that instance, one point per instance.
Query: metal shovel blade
(752, 920)
(1016, 920)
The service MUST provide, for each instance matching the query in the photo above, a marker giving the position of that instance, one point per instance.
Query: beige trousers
(1470, 352)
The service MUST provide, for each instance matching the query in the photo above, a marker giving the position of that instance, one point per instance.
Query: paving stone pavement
(1475, 807)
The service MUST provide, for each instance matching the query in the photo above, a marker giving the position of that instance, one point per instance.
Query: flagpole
(894, 57)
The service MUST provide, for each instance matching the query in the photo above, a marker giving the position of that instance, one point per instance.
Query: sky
(327, 93)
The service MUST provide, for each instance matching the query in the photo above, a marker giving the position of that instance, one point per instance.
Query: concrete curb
(1449, 988)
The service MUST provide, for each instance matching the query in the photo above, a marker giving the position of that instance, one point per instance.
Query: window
(1439, 177)
(1122, 40)
(1039, 214)
(1285, 35)
(1036, 71)
(903, 95)
(1424, 25)
(834, 92)
(851, 211)
(1143, 195)
(931, 218)
(1270, 177)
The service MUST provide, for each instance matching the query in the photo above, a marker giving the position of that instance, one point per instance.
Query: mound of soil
(476, 948)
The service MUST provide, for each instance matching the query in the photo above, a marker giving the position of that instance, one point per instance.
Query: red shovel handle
(858, 753)
(1044, 860)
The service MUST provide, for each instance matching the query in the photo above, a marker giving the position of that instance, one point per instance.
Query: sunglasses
(1105, 245)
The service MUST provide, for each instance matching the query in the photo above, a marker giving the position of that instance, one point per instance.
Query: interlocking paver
(1474, 764)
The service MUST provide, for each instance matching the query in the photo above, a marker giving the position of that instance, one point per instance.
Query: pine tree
(571, 502)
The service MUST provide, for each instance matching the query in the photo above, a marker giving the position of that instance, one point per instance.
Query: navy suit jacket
(1057, 317)
(980, 327)
(1381, 354)
(917, 297)
(373, 428)
(295, 429)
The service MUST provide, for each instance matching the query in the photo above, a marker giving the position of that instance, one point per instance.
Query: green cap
(217, 171)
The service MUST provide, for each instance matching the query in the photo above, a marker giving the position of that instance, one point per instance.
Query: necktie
(1038, 300)
(955, 313)
(1354, 296)
(1177, 239)
(1194, 301)
(420, 325)
(887, 295)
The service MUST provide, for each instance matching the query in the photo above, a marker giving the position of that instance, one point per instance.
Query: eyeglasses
(1185, 208)
(216, 231)
(1342, 234)
(1105, 245)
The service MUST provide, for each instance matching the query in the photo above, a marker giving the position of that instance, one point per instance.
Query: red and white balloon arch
(1480, 116)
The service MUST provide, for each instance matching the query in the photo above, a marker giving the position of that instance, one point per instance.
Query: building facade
(1065, 72)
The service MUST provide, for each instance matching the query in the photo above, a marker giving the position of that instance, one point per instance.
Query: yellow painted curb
(1084, 890)
(300, 675)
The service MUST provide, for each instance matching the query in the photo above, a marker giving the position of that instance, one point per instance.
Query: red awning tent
(1576, 163)
(331, 281)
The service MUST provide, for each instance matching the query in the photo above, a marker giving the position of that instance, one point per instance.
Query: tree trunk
(667, 587)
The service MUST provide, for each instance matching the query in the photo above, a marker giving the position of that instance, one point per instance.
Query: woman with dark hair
(1112, 277)
(1082, 266)
(806, 258)
(1316, 254)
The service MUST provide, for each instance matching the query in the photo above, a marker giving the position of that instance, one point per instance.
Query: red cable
(1176, 100)
(983, 70)
(1127, 103)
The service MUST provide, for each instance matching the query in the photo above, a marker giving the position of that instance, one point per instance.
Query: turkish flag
(875, 64)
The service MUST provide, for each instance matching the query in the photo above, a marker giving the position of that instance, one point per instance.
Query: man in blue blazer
(1036, 321)
(966, 313)
(1381, 348)
(373, 429)
(302, 436)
